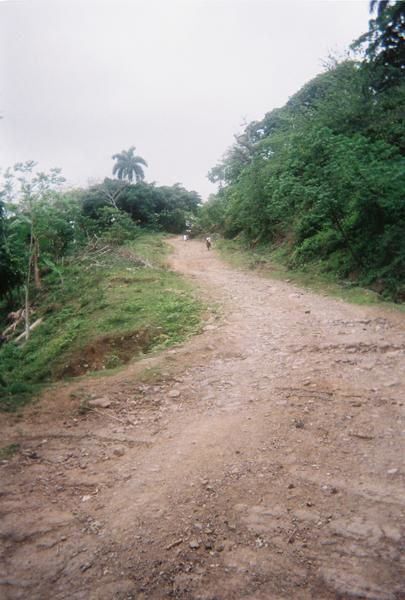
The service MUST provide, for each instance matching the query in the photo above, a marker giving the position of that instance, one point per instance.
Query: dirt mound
(107, 352)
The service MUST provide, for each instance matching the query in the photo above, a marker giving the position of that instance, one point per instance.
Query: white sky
(83, 79)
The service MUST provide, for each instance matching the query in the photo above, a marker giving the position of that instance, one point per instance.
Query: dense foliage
(385, 42)
(324, 176)
(161, 208)
(9, 277)
(41, 225)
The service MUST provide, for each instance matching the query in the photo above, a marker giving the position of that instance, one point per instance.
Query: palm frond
(140, 160)
(128, 165)
(139, 174)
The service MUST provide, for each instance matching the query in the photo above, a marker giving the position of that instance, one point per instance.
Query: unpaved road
(261, 460)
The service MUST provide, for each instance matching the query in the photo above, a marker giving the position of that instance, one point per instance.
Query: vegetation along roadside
(320, 181)
(116, 303)
(83, 280)
(274, 263)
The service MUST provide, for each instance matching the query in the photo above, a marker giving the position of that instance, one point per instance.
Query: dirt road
(262, 460)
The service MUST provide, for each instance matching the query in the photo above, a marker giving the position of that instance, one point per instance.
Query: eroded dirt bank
(263, 460)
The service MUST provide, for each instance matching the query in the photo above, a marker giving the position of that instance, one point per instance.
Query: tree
(26, 191)
(128, 165)
(156, 207)
(321, 179)
(385, 46)
(9, 276)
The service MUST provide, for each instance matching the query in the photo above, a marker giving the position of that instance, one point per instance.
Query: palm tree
(128, 165)
(379, 6)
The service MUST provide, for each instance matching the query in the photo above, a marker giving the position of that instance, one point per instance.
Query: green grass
(273, 264)
(8, 451)
(101, 306)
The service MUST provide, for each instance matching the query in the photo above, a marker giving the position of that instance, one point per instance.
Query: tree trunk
(31, 253)
(37, 274)
(27, 313)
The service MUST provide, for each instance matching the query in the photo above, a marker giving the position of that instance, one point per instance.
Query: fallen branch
(33, 326)
(17, 317)
(362, 436)
(100, 412)
(90, 253)
(11, 328)
(173, 544)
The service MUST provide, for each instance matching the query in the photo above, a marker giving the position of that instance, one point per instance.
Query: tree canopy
(323, 177)
(385, 43)
(128, 165)
(42, 225)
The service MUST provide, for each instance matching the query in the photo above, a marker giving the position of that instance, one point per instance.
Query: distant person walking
(208, 243)
(185, 237)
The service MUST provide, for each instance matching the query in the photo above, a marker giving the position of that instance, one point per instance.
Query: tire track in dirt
(264, 461)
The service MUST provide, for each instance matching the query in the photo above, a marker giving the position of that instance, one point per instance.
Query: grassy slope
(115, 297)
(272, 264)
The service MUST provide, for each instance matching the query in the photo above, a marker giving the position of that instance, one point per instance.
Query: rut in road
(263, 461)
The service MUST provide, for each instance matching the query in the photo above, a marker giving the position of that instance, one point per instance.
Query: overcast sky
(84, 79)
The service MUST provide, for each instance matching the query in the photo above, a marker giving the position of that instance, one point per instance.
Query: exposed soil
(261, 460)
(107, 351)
